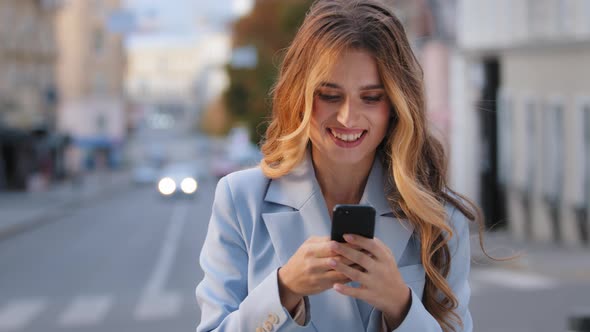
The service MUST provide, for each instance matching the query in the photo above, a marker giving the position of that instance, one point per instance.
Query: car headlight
(167, 186)
(188, 185)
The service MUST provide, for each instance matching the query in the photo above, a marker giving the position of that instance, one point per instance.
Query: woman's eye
(372, 99)
(329, 98)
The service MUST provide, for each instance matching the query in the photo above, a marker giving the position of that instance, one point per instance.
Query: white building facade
(521, 115)
(91, 69)
(167, 80)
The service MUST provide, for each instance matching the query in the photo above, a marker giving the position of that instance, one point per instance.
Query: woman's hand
(382, 285)
(308, 271)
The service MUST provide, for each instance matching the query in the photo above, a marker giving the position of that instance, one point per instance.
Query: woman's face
(350, 111)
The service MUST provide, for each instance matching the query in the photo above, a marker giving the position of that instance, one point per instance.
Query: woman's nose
(347, 114)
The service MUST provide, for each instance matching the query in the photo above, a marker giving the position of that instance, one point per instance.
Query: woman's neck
(341, 183)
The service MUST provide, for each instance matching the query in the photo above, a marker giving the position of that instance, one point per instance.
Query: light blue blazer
(257, 224)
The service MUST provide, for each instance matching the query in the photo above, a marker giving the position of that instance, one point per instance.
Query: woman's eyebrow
(330, 85)
(365, 87)
(373, 87)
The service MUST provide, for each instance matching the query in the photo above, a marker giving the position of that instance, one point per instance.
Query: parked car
(223, 164)
(145, 174)
(147, 170)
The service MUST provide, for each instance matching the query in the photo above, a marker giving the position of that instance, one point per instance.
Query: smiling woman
(348, 126)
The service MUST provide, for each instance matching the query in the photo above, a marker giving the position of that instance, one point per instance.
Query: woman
(348, 127)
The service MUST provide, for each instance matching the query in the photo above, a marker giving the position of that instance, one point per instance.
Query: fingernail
(334, 246)
(337, 287)
(332, 262)
(348, 237)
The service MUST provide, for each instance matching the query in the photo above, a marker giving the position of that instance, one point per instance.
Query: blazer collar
(308, 213)
(297, 187)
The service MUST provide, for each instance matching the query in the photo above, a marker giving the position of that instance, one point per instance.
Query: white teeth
(346, 137)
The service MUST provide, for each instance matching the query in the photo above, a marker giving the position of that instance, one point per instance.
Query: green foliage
(270, 27)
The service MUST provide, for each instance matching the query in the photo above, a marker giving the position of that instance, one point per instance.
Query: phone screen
(353, 219)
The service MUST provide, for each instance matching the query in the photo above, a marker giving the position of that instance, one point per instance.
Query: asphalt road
(129, 262)
(126, 263)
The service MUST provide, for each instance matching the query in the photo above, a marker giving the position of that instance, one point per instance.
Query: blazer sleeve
(222, 295)
(418, 318)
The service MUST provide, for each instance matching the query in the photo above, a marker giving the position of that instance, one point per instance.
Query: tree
(270, 27)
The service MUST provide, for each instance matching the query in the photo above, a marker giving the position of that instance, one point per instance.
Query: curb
(31, 223)
(60, 211)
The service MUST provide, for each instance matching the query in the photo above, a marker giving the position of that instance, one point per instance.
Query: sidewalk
(25, 210)
(548, 259)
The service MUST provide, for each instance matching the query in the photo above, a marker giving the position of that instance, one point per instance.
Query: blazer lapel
(298, 211)
(394, 232)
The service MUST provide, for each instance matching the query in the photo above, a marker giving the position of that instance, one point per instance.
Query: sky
(169, 20)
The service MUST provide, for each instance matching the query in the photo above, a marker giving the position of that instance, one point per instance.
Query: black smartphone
(353, 219)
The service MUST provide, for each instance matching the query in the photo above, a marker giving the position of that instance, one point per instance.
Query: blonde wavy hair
(415, 160)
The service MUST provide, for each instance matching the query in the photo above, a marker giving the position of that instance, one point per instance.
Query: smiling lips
(348, 136)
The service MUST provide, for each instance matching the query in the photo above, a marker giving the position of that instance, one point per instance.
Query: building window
(505, 123)
(98, 5)
(99, 41)
(561, 19)
(553, 151)
(100, 84)
(530, 154)
(163, 65)
(580, 199)
(144, 89)
(542, 19)
(101, 124)
(584, 151)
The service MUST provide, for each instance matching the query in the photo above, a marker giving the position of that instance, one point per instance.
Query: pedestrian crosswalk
(17, 315)
(86, 310)
(92, 310)
(158, 306)
(482, 280)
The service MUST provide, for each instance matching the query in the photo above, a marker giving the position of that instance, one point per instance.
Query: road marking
(159, 306)
(16, 315)
(86, 310)
(155, 303)
(168, 251)
(513, 279)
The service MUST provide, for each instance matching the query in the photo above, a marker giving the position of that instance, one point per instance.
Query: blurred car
(144, 174)
(221, 166)
(148, 168)
(234, 153)
(179, 179)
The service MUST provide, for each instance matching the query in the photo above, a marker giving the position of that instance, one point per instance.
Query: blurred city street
(126, 262)
(538, 291)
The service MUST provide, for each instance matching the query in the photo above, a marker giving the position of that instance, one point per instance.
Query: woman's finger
(352, 273)
(356, 292)
(374, 246)
(333, 277)
(344, 260)
(355, 256)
